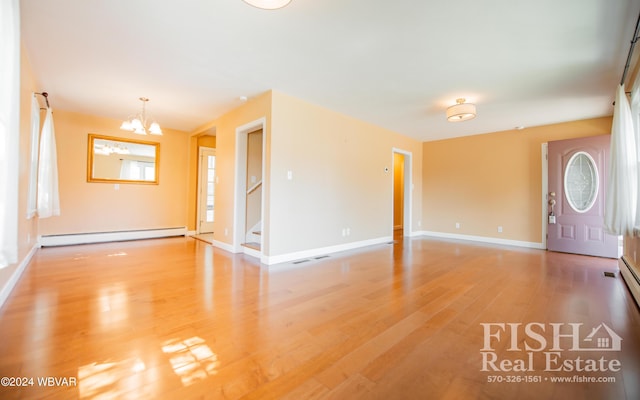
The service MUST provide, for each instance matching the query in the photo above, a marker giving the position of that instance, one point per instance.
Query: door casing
(407, 195)
(240, 186)
(202, 152)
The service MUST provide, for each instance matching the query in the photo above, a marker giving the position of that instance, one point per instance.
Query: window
(581, 182)
(9, 129)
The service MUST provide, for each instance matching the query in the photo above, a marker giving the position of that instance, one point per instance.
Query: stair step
(252, 245)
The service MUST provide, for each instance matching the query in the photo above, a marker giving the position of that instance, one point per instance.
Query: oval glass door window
(581, 182)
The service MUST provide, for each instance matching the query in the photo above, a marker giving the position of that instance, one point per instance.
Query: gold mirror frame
(120, 150)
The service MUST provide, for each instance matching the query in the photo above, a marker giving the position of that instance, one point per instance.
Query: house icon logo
(602, 338)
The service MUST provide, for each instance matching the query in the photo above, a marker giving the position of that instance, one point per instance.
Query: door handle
(552, 203)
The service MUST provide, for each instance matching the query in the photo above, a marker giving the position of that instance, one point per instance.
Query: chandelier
(108, 149)
(139, 123)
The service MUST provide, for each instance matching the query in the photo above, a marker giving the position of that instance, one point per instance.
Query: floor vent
(610, 274)
(301, 261)
(320, 257)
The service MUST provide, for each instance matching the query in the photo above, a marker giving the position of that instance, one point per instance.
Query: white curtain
(9, 129)
(48, 197)
(33, 165)
(621, 196)
(635, 117)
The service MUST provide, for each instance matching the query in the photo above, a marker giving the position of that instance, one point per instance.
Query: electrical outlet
(499, 229)
(226, 231)
(348, 231)
(457, 225)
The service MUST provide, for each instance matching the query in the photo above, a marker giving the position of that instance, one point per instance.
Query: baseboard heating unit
(631, 276)
(99, 237)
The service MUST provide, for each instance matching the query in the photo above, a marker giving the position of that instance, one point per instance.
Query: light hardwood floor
(178, 319)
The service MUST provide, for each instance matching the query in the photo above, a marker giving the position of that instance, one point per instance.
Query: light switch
(290, 175)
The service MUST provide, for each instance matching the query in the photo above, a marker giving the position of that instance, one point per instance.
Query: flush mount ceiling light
(268, 4)
(461, 111)
(138, 123)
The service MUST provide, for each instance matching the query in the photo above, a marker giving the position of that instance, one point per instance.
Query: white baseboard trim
(99, 237)
(5, 291)
(237, 249)
(191, 233)
(299, 255)
(415, 234)
(224, 246)
(252, 252)
(484, 239)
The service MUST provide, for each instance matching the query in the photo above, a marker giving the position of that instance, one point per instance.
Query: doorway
(253, 212)
(206, 189)
(402, 187)
(249, 234)
(575, 197)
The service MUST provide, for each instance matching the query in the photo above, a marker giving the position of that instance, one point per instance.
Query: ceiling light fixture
(138, 123)
(461, 111)
(268, 4)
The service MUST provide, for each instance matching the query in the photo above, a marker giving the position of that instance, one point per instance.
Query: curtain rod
(46, 97)
(633, 45)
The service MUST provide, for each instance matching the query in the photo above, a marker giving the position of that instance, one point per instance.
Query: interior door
(577, 177)
(206, 192)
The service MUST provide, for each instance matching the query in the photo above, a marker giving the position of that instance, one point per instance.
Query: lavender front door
(577, 175)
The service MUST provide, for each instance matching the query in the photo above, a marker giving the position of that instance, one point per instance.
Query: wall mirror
(119, 160)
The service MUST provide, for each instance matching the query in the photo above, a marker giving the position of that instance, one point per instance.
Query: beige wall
(27, 228)
(494, 179)
(398, 190)
(632, 251)
(197, 140)
(207, 141)
(225, 142)
(339, 180)
(100, 207)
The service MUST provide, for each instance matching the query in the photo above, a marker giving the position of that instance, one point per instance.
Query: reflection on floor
(177, 318)
(205, 237)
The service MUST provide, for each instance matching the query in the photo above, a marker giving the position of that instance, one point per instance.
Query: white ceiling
(397, 64)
